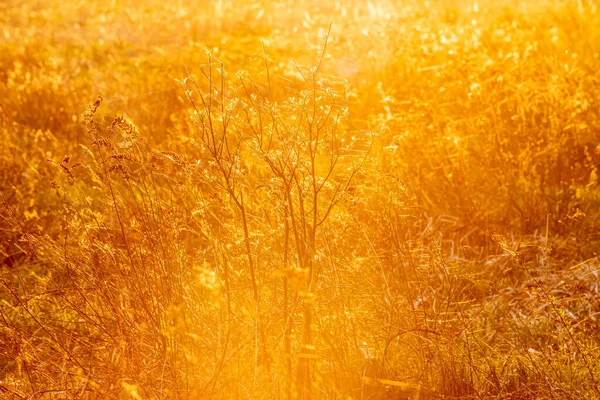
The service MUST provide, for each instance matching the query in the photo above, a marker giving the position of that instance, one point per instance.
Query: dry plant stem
(219, 149)
(305, 207)
(537, 368)
(566, 327)
(150, 315)
(227, 294)
(67, 352)
(287, 320)
(68, 202)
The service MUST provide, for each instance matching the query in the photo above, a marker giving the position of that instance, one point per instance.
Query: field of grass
(280, 199)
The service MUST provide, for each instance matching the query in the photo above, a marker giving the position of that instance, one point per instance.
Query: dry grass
(367, 200)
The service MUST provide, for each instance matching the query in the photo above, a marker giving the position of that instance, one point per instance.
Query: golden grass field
(280, 199)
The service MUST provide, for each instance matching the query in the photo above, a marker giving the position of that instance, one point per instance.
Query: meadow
(280, 199)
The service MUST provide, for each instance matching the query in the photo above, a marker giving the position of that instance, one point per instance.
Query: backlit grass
(281, 199)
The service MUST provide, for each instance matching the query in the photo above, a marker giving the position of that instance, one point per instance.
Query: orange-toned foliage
(281, 199)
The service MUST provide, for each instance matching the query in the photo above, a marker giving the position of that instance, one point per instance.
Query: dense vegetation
(283, 199)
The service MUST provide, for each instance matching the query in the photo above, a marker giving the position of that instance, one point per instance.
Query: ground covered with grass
(291, 200)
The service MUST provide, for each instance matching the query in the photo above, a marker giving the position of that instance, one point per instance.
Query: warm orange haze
(287, 199)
